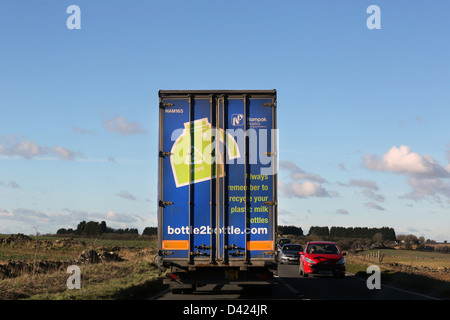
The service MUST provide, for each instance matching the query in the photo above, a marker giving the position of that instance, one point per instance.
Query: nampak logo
(237, 119)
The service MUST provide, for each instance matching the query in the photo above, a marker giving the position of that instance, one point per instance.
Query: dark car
(282, 242)
(290, 253)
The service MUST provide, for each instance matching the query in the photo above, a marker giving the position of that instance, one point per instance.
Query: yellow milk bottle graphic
(194, 155)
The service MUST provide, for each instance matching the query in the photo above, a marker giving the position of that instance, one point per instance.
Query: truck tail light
(172, 276)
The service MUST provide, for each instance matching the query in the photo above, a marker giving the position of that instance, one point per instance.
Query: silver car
(290, 253)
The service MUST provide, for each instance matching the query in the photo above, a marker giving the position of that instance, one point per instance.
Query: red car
(322, 257)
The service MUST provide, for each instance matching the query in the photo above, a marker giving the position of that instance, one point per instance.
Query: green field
(415, 258)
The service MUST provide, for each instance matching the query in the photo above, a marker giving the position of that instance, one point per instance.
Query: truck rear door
(217, 176)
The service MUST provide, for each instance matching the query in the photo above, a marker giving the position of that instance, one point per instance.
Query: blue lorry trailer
(217, 187)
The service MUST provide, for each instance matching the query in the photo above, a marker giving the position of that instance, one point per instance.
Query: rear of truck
(217, 185)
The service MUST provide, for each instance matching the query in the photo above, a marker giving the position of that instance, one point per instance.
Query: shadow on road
(291, 286)
(413, 282)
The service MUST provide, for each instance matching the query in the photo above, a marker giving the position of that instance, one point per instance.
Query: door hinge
(270, 104)
(164, 154)
(165, 203)
(203, 247)
(236, 254)
(199, 253)
(165, 105)
(233, 247)
(270, 203)
(164, 253)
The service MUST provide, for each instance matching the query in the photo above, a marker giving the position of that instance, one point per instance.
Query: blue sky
(362, 114)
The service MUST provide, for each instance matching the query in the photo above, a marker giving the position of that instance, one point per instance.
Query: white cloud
(52, 221)
(5, 214)
(82, 131)
(126, 195)
(299, 174)
(302, 189)
(15, 145)
(342, 211)
(428, 188)
(424, 173)
(75, 216)
(373, 205)
(368, 187)
(367, 184)
(120, 217)
(66, 154)
(10, 184)
(24, 215)
(402, 160)
(123, 126)
(372, 195)
(13, 184)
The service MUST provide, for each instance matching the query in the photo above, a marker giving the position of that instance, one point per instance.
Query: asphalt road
(290, 286)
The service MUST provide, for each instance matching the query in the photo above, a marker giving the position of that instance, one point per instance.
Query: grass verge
(409, 281)
(111, 281)
(135, 276)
